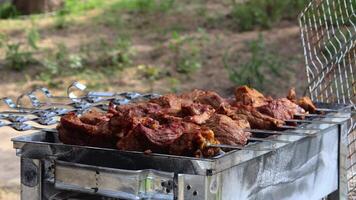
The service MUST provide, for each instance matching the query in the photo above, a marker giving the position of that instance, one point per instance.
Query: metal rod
(336, 110)
(300, 128)
(318, 115)
(269, 140)
(277, 132)
(240, 147)
(311, 121)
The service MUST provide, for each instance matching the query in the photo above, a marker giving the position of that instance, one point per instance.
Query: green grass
(7, 10)
(144, 5)
(187, 52)
(265, 13)
(253, 71)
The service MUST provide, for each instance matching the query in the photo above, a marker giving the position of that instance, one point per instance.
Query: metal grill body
(305, 168)
(328, 30)
(302, 162)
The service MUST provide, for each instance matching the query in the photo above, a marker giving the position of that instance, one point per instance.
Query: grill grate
(31, 113)
(328, 31)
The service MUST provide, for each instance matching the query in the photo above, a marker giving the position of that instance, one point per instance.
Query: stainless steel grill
(302, 160)
(328, 30)
(307, 161)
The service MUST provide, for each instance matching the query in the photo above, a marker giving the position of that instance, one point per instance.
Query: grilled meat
(205, 97)
(256, 119)
(197, 113)
(304, 102)
(173, 136)
(281, 109)
(250, 96)
(90, 130)
(229, 131)
(182, 124)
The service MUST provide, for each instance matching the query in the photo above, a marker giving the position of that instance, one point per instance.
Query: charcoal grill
(301, 162)
(307, 161)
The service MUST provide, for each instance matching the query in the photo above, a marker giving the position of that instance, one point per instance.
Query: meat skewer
(195, 123)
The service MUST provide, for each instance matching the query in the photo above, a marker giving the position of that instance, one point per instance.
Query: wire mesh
(328, 31)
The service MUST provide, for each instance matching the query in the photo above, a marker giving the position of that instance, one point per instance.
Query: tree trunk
(37, 6)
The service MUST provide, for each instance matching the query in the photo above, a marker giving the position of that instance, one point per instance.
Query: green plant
(150, 72)
(73, 7)
(61, 61)
(144, 5)
(264, 13)
(174, 84)
(186, 53)
(33, 36)
(255, 70)
(61, 20)
(8, 10)
(77, 6)
(16, 58)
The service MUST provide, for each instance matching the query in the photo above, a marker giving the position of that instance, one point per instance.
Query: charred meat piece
(305, 102)
(128, 116)
(256, 119)
(74, 130)
(94, 117)
(205, 97)
(173, 136)
(250, 96)
(194, 142)
(282, 109)
(171, 103)
(229, 131)
(197, 113)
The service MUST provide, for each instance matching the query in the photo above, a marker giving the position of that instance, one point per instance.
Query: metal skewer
(268, 140)
(317, 115)
(311, 121)
(240, 147)
(277, 132)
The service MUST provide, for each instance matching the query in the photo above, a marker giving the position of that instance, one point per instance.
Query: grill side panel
(292, 172)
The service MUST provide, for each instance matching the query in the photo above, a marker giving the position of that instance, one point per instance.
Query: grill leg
(341, 193)
(31, 176)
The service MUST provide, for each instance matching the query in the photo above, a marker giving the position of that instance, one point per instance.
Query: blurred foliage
(18, 55)
(112, 51)
(150, 72)
(187, 55)
(8, 10)
(264, 13)
(253, 71)
(144, 5)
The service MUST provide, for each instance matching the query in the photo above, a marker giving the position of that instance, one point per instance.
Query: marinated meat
(182, 124)
(72, 130)
(197, 113)
(229, 131)
(250, 96)
(173, 136)
(194, 142)
(282, 109)
(205, 97)
(256, 119)
(305, 102)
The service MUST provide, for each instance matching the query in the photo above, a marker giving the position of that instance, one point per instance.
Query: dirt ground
(9, 166)
(150, 37)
